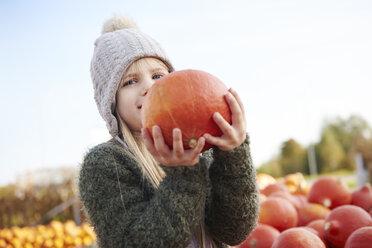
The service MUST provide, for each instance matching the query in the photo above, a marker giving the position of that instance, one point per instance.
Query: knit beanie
(120, 44)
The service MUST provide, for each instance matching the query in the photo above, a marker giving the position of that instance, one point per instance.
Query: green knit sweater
(225, 197)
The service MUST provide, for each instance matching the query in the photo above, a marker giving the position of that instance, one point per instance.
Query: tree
(330, 152)
(293, 157)
(339, 140)
(272, 168)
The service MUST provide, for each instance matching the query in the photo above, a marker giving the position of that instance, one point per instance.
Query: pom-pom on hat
(120, 44)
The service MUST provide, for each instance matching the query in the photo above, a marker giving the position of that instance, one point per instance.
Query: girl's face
(133, 88)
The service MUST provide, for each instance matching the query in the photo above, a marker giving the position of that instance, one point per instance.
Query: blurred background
(302, 69)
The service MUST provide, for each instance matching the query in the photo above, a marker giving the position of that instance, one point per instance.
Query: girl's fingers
(240, 102)
(236, 112)
(198, 148)
(193, 154)
(238, 99)
(160, 146)
(216, 141)
(177, 143)
(222, 124)
(148, 141)
(177, 157)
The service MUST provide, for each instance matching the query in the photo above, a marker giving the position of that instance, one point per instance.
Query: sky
(294, 63)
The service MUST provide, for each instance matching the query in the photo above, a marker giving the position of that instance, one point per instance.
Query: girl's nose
(144, 91)
(146, 86)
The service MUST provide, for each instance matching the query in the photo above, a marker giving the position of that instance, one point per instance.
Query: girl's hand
(176, 157)
(234, 134)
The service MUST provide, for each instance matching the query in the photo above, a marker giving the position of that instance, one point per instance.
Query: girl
(136, 191)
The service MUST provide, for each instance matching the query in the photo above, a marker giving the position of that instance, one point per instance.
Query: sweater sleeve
(167, 218)
(232, 208)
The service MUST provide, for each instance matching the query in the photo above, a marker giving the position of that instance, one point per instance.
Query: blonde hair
(135, 144)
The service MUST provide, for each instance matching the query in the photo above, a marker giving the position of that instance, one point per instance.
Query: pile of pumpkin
(56, 234)
(324, 214)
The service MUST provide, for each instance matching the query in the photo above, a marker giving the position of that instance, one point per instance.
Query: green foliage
(331, 154)
(293, 157)
(347, 130)
(272, 168)
(339, 139)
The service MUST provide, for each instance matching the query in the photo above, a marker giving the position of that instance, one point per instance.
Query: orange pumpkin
(318, 225)
(186, 100)
(310, 212)
(275, 187)
(262, 197)
(363, 197)
(298, 237)
(262, 236)
(277, 212)
(296, 183)
(329, 192)
(295, 200)
(361, 238)
(301, 199)
(343, 221)
(264, 180)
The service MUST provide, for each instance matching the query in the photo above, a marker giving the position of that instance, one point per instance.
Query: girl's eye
(130, 82)
(157, 76)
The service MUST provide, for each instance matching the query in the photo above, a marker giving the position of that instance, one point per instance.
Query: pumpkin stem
(253, 243)
(192, 142)
(332, 227)
(327, 202)
(327, 225)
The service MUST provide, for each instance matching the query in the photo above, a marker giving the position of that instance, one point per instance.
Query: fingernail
(175, 131)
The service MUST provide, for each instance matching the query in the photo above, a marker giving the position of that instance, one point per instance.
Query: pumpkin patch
(327, 215)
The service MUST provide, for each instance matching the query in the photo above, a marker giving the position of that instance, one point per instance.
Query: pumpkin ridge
(193, 110)
(168, 109)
